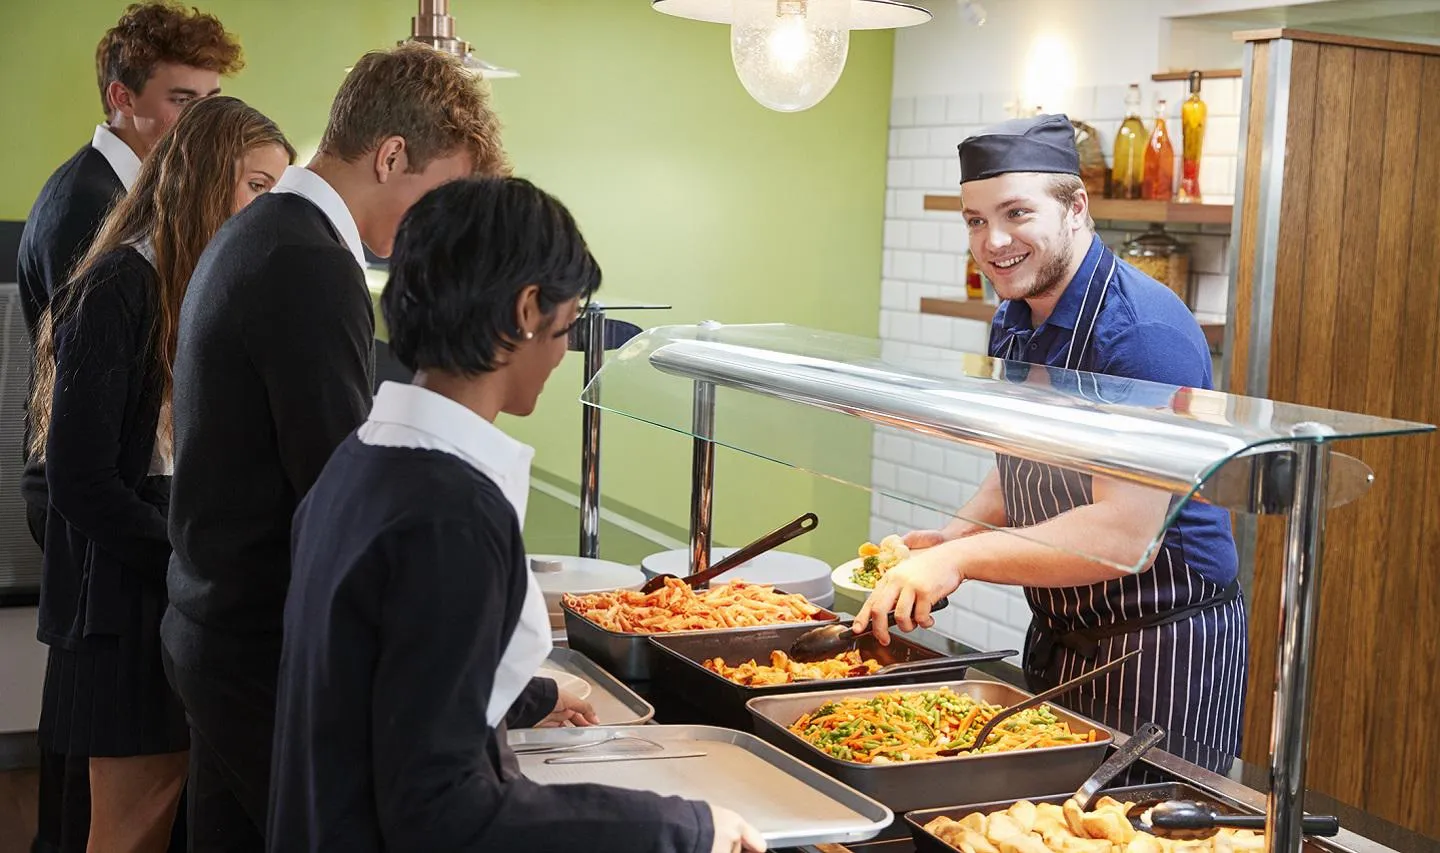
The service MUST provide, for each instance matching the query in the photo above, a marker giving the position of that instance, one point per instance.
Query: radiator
(19, 556)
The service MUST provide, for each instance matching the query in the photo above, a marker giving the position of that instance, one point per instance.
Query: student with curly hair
(158, 58)
(101, 413)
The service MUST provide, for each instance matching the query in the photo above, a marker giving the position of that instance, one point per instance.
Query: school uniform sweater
(408, 584)
(273, 369)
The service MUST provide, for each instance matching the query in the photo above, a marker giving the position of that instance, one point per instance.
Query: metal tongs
(655, 754)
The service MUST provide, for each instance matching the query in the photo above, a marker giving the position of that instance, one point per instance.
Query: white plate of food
(860, 574)
(572, 684)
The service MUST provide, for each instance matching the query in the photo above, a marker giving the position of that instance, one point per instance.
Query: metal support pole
(1299, 609)
(594, 321)
(702, 469)
(702, 477)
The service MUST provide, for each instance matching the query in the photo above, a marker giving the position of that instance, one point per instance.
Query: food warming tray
(926, 842)
(789, 803)
(969, 777)
(691, 693)
(614, 703)
(629, 656)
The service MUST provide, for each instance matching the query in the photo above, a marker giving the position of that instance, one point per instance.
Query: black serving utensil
(774, 539)
(828, 641)
(1187, 820)
(1037, 699)
(1145, 737)
(937, 664)
(946, 662)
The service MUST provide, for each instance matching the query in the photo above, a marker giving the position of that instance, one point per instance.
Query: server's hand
(569, 708)
(909, 590)
(733, 834)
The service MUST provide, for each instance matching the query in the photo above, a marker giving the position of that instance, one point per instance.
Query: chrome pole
(594, 321)
(702, 470)
(1299, 610)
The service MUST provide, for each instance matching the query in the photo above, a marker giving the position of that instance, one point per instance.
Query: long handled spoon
(774, 539)
(1037, 699)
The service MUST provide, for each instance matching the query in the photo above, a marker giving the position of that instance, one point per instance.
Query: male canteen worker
(1069, 302)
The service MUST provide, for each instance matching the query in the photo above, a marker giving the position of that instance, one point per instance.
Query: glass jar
(1093, 171)
(1163, 258)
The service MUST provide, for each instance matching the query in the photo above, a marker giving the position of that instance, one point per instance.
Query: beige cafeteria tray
(786, 800)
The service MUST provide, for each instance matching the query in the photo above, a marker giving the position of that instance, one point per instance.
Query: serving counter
(771, 390)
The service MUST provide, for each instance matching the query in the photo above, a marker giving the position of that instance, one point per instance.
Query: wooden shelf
(1220, 74)
(960, 309)
(974, 309)
(1121, 210)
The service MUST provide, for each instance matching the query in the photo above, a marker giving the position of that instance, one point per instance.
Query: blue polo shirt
(1119, 321)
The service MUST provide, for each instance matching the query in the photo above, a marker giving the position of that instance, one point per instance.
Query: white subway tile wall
(924, 480)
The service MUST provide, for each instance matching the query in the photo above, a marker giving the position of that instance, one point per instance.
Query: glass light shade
(789, 53)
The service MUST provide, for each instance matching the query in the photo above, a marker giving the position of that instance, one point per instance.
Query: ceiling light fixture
(789, 54)
(433, 26)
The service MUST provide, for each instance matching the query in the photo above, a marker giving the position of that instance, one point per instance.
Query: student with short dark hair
(274, 369)
(414, 627)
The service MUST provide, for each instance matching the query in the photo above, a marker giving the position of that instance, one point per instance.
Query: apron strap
(1086, 641)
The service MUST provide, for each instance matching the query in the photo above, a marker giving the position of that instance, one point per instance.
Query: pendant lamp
(435, 27)
(789, 54)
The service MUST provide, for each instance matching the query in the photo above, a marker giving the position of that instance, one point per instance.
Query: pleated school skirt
(109, 698)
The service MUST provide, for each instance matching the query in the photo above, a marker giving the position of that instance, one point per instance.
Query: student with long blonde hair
(105, 354)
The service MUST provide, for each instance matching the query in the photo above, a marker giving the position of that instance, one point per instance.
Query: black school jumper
(409, 578)
(62, 224)
(103, 588)
(273, 370)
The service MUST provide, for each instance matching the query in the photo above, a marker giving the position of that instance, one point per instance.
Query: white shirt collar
(121, 159)
(146, 250)
(315, 189)
(411, 416)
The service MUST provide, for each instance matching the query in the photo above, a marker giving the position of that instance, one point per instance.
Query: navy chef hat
(1044, 143)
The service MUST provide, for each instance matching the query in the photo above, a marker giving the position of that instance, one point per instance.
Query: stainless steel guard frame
(1305, 503)
(1299, 608)
(594, 321)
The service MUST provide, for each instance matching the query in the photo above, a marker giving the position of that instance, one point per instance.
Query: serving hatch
(730, 386)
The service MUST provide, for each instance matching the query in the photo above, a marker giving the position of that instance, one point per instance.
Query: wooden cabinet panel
(1356, 326)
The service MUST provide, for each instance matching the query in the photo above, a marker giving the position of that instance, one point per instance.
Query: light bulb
(789, 53)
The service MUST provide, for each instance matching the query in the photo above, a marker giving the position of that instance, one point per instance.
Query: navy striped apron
(1190, 675)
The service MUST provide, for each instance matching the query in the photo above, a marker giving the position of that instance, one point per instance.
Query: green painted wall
(689, 192)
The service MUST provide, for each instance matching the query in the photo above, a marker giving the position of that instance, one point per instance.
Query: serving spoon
(1039, 698)
(774, 539)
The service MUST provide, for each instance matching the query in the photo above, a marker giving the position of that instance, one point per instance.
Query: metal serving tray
(691, 693)
(629, 656)
(928, 784)
(927, 842)
(789, 803)
(614, 703)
